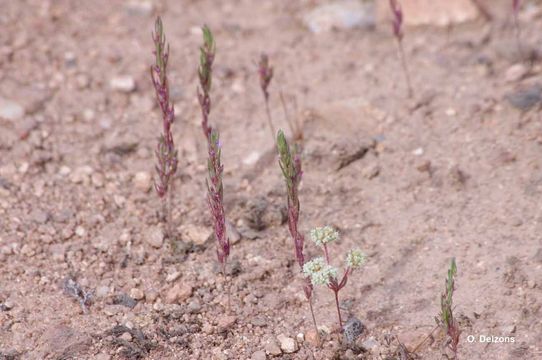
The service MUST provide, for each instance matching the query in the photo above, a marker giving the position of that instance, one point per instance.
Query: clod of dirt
(350, 150)
(272, 347)
(7, 305)
(258, 355)
(226, 322)
(179, 293)
(525, 98)
(233, 267)
(312, 338)
(370, 344)
(198, 235)
(353, 328)
(124, 300)
(259, 213)
(63, 342)
(516, 72)
(10, 355)
(458, 178)
(136, 348)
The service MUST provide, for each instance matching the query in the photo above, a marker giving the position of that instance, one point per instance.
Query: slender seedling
(320, 270)
(446, 317)
(397, 24)
(515, 9)
(205, 75)
(291, 170)
(166, 153)
(265, 72)
(215, 187)
(295, 126)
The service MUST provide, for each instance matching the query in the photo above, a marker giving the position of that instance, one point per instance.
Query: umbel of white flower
(319, 271)
(323, 235)
(355, 258)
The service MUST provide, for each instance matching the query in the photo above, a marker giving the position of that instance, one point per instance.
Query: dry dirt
(453, 172)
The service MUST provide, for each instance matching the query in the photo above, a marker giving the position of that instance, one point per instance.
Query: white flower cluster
(324, 235)
(319, 271)
(355, 258)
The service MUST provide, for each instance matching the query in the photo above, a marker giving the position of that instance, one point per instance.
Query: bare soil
(454, 171)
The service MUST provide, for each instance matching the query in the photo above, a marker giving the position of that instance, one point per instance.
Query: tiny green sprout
(319, 271)
(355, 259)
(324, 235)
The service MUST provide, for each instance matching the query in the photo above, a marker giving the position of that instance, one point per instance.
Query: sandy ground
(453, 172)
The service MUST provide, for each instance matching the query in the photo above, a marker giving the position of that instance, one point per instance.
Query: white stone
(137, 294)
(155, 237)
(287, 344)
(124, 84)
(142, 181)
(10, 110)
(252, 158)
(342, 14)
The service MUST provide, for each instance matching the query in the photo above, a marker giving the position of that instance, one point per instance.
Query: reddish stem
(338, 308)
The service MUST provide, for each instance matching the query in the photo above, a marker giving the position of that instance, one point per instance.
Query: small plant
(397, 24)
(295, 126)
(205, 75)
(321, 272)
(265, 72)
(515, 9)
(291, 170)
(215, 188)
(446, 318)
(166, 153)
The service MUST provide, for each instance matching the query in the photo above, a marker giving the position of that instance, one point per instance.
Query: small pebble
(258, 355)
(137, 294)
(287, 344)
(179, 293)
(272, 347)
(126, 336)
(155, 237)
(194, 307)
(124, 84)
(142, 181)
(10, 110)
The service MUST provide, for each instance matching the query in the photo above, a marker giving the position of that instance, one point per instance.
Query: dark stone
(353, 329)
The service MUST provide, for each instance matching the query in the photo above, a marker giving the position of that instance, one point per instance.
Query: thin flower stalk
(205, 74)
(166, 153)
(215, 198)
(295, 126)
(397, 26)
(215, 187)
(516, 4)
(291, 170)
(265, 72)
